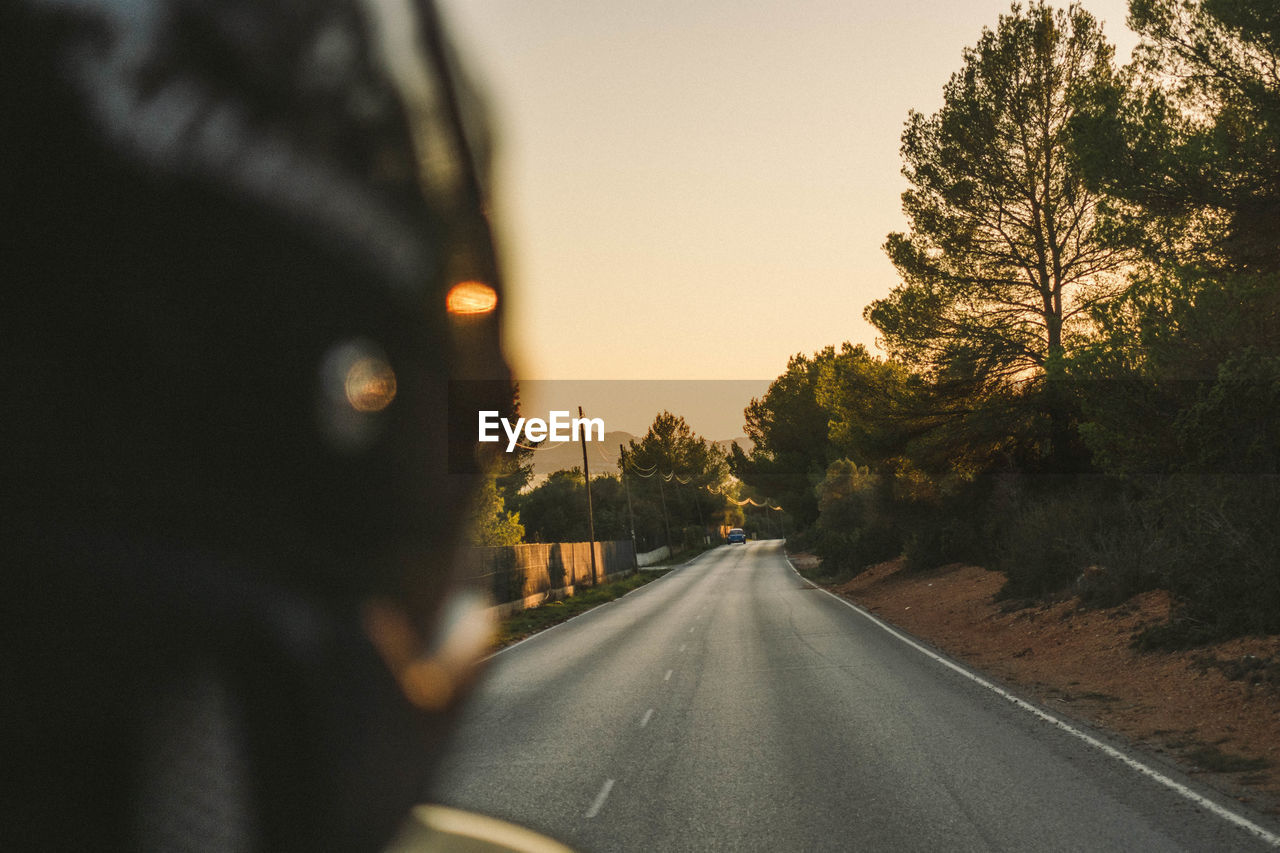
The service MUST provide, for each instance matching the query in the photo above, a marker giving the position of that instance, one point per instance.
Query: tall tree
(1186, 144)
(1187, 140)
(789, 432)
(493, 521)
(869, 403)
(514, 470)
(692, 469)
(672, 446)
(556, 509)
(1004, 254)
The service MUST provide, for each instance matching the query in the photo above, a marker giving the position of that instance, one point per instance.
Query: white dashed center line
(600, 798)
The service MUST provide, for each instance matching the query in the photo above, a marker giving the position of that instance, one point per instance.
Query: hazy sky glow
(699, 190)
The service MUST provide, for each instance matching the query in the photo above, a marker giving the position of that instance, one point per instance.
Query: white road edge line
(648, 715)
(667, 677)
(600, 798)
(1133, 763)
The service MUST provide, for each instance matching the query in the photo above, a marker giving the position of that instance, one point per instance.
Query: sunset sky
(697, 190)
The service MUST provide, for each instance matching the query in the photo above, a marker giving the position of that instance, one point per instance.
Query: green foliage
(556, 509)
(1220, 540)
(1232, 427)
(672, 446)
(1043, 542)
(514, 471)
(853, 530)
(952, 525)
(789, 430)
(683, 480)
(1181, 376)
(1187, 146)
(1084, 382)
(505, 474)
(491, 523)
(1004, 256)
(1185, 142)
(867, 401)
(1210, 540)
(941, 540)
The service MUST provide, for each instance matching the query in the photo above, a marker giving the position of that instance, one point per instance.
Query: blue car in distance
(736, 535)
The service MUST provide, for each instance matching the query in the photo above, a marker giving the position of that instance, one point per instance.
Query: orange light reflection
(370, 385)
(471, 297)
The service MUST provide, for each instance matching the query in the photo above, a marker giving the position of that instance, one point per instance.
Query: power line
(544, 446)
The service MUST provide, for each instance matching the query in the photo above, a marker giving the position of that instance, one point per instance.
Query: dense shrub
(854, 530)
(1221, 555)
(946, 539)
(1041, 546)
(1099, 537)
(802, 540)
(1212, 540)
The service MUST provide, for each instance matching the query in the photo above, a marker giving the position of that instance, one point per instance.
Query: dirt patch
(1216, 708)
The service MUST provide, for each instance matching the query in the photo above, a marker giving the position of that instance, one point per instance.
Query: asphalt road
(731, 706)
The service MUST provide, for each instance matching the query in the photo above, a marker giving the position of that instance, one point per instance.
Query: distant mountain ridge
(602, 457)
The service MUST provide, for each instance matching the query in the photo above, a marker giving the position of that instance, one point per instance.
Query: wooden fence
(526, 575)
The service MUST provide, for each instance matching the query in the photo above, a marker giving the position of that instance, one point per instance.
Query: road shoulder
(1205, 708)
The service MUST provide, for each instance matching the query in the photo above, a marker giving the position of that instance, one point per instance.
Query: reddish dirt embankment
(1216, 708)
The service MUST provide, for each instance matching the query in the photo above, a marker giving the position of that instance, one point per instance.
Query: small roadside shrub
(1222, 562)
(943, 521)
(943, 541)
(802, 540)
(1129, 553)
(1048, 541)
(1213, 541)
(853, 529)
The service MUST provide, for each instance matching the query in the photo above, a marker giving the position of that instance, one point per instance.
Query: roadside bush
(1094, 536)
(1232, 427)
(1222, 556)
(952, 526)
(802, 540)
(1130, 552)
(848, 552)
(941, 541)
(687, 537)
(1046, 544)
(854, 530)
(1212, 541)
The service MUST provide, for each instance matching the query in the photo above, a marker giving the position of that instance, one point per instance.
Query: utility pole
(698, 506)
(631, 518)
(666, 520)
(591, 521)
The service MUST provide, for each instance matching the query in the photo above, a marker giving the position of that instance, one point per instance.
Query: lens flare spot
(471, 297)
(428, 685)
(370, 385)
